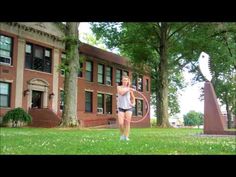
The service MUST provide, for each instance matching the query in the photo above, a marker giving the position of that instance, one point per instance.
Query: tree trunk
(69, 116)
(158, 97)
(164, 117)
(158, 117)
(228, 115)
(156, 91)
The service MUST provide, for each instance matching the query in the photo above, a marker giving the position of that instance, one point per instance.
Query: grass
(30, 141)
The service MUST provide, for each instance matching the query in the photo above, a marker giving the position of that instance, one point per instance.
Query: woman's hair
(125, 76)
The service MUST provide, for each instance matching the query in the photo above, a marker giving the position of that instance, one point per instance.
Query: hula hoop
(148, 109)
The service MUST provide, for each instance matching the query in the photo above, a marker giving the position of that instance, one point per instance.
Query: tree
(164, 47)
(225, 87)
(71, 67)
(193, 118)
(225, 80)
(176, 83)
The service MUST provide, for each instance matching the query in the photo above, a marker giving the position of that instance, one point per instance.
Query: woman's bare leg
(121, 116)
(128, 116)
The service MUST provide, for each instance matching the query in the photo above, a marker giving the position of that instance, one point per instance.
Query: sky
(189, 98)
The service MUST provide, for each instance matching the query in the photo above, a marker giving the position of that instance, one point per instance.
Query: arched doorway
(38, 93)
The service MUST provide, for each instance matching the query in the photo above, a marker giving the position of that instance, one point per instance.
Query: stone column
(56, 56)
(20, 72)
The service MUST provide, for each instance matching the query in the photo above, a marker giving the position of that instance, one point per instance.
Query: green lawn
(106, 141)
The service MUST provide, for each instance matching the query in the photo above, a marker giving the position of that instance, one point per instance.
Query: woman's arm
(132, 98)
(122, 90)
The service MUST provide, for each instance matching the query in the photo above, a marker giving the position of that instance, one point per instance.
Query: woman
(126, 102)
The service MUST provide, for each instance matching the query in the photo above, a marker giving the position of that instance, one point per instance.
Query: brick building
(29, 77)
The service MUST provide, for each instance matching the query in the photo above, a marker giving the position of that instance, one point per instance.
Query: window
(140, 83)
(4, 94)
(28, 56)
(6, 45)
(134, 80)
(147, 85)
(108, 75)
(108, 104)
(63, 57)
(139, 107)
(118, 76)
(137, 81)
(100, 73)
(89, 71)
(47, 61)
(38, 58)
(100, 103)
(88, 101)
(117, 103)
(80, 74)
(62, 98)
(135, 108)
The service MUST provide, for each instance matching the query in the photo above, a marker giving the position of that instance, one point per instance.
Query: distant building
(176, 122)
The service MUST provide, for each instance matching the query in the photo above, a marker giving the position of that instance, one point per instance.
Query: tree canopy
(167, 48)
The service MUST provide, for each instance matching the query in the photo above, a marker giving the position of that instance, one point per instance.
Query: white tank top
(124, 101)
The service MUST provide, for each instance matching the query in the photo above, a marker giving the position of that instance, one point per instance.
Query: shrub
(15, 116)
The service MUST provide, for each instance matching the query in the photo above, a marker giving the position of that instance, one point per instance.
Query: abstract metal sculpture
(204, 64)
